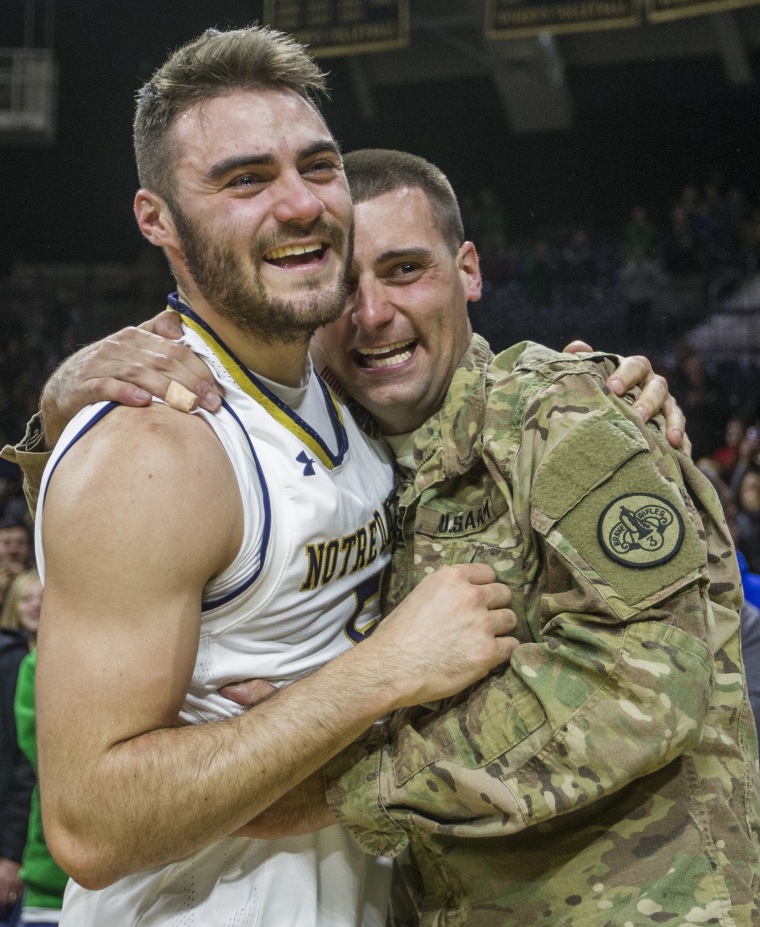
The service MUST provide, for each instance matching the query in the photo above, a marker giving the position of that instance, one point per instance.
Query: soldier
(608, 775)
(173, 545)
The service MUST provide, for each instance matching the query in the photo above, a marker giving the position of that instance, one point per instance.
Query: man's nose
(371, 308)
(296, 200)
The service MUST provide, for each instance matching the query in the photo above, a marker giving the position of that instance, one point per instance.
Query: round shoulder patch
(640, 530)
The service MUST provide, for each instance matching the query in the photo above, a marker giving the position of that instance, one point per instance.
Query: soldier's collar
(455, 432)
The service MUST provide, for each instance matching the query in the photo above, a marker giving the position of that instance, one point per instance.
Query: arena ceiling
(572, 125)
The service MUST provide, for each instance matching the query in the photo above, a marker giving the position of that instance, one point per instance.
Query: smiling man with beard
(178, 550)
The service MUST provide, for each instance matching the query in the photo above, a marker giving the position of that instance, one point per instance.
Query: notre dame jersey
(303, 587)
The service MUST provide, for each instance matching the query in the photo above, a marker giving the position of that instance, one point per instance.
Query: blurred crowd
(646, 283)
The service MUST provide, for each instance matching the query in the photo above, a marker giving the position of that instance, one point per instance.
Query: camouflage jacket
(609, 775)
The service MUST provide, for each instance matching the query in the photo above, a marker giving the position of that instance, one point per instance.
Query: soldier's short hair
(215, 64)
(371, 172)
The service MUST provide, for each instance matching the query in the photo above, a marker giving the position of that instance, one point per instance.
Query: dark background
(641, 132)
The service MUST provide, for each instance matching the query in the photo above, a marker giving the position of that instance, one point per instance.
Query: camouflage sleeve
(617, 680)
(31, 455)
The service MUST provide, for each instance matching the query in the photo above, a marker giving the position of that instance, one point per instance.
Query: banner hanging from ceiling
(658, 11)
(507, 19)
(332, 28)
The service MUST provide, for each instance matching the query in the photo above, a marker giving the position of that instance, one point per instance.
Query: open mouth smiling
(390, 355)
(289, 256)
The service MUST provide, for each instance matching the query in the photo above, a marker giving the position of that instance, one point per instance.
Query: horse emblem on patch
(640, 530)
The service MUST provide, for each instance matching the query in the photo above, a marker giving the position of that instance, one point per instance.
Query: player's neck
(280, 361)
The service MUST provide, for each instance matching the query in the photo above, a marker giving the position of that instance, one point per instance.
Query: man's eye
(322, 167)
(408, 267)
(245, 180)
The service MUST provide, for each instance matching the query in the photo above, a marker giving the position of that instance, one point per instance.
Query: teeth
(290, 250)
(399, 352)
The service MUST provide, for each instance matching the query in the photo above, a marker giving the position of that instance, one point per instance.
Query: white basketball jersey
(303, 587)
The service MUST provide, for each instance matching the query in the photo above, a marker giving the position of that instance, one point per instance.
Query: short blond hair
(215, 64)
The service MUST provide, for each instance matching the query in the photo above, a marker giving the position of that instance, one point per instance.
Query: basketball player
(183, 552)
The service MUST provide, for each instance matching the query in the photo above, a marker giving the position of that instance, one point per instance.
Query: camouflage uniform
(609, 775)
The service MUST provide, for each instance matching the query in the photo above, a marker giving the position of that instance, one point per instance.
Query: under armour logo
(308, 463)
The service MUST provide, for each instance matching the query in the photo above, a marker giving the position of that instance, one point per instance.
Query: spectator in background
(21, 608)
(684, 261)
(702, 400)
(15, 545)
(16, 551)
(44, 881)
(747, 456)
(748, 516)
(16, 774)
(727, 456)
(640, 236)
(640, 278)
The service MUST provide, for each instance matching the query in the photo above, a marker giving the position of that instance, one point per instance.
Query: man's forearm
(302, 810)
(181, 788)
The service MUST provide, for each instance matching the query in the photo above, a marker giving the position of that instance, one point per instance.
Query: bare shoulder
(148, 471)
(148, 432)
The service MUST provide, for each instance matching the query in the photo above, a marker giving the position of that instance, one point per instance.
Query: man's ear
(469, 267)
(155, 220)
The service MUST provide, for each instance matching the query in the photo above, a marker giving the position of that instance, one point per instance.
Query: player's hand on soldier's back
(637, 371)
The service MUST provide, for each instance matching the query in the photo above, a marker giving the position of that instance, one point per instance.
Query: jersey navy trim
(270, 401)
(246, 583)
(228, 596)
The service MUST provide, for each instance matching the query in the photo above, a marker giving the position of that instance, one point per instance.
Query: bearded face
(234, 284)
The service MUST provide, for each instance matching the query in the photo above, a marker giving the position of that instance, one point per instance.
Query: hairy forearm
(181, 788)
(302, 810)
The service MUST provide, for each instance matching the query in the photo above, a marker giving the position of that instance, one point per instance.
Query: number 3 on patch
(640, 530)
(364, 592)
